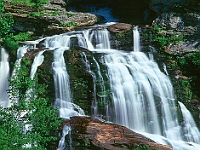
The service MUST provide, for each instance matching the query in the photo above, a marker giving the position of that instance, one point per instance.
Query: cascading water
(142, 95)
(191, 131)
(39, 58)
(136, 39)
(20, 54)
(4, 76)
(62, 142)
(87, 63)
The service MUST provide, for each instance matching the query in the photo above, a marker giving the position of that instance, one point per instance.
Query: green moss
(144, 147)
(69, 24)
(162, 39)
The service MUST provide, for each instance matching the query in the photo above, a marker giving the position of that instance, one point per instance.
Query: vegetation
(29, 109)
(161, 39)
(6, 21)
(190, 66)
(36, 3)
(69, 24)
(144, 147)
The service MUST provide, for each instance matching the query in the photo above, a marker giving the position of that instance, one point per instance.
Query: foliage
(120, 36)
(69, 24)
(70, 14)
(190, 64)
(29, 107)
(6, 21)
(35, 14)
(162, 39)
(39, 2)
(22, 2)
(10, 44)
(144, 147)
(36, 3)
(22, 36)
(11, 41)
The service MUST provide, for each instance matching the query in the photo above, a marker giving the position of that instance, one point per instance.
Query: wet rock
(107, 136)
(120, 27)
(58, 2)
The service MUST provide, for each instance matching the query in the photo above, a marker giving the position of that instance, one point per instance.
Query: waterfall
(94, 104)
(191, 131)
(4, 76)
(20, 54)
(62, 87)
(136, 39)
(62, 142)
(38, 60)
(143, 97)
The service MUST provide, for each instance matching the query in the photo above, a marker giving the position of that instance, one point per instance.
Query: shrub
(28, 108)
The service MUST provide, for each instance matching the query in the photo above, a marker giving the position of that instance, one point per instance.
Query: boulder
(120, 27)
(110, 136)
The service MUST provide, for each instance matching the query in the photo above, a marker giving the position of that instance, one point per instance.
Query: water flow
(94, 103)
(143, 97)
(136, 39)
(38, 60)
(4, 77)
(191, 131)
(20, 54)
(62, 142)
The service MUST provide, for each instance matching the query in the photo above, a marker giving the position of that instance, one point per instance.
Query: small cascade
(102, 39)
(94, 104)
(62, 87)
(20, 54)
(4, 76)
(191, 131)
(62, 142)
(165, 69)
(61, 77)
(136, 39)
(101, 87)
(38, 60)
(131, 90)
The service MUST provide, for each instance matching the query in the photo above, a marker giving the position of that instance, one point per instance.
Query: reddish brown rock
(109, 136)
(120, 27)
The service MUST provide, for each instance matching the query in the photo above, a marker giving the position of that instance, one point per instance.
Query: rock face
(101, 135)
(186, 24)
(52, 19)
(164, 5)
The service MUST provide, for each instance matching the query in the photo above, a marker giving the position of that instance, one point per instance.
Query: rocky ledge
(177, 24)
(96, 134)
(51, 19)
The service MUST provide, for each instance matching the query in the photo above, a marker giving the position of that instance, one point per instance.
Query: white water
(94, 104)
(191, 131)
(142, 95)
(38, 60)
(136, 39)
(4, 76)
(62, 142)
(62, 87)
(20, 54)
